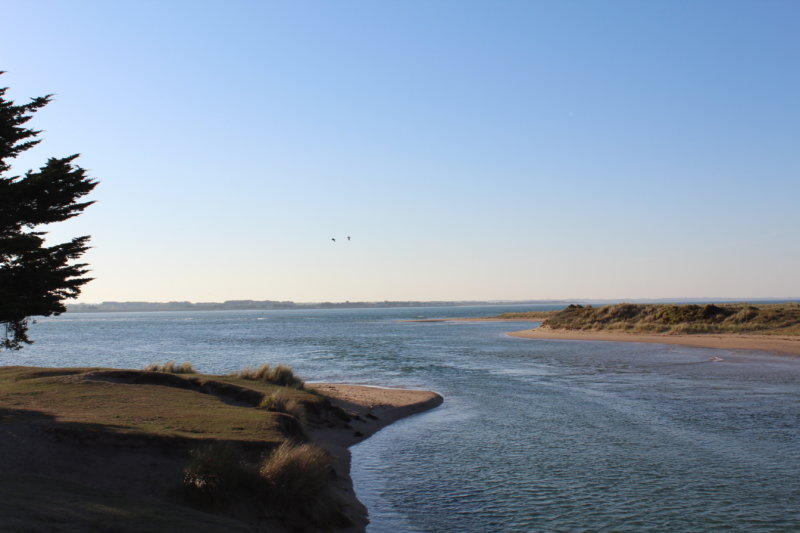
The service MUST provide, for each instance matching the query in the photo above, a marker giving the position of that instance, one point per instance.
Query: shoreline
(475, 319)
(726, 341)
(101, 443)
(371, 409)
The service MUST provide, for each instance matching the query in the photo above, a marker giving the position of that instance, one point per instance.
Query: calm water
(533, 435)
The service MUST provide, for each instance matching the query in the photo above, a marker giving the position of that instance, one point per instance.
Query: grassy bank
(168, 442)
(764, 319)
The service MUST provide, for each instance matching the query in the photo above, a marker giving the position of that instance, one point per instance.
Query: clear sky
(472, 150)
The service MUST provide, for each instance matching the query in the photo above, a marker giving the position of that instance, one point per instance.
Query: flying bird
(348, 237)
(334, 240)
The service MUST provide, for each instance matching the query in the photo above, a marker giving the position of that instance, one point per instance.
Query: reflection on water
(533, 436)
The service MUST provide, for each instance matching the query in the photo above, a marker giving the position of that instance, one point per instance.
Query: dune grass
(297, 478)
(216, 473)
(281, 402)
(292, 480)
(171, 367)
(278, 375)
(767, 319)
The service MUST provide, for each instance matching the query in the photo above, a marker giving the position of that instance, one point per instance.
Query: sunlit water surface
(533, 435)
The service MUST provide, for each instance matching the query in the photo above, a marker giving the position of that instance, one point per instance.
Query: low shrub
(171, 367)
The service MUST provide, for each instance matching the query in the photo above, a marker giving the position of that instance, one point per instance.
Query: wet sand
(762, 343)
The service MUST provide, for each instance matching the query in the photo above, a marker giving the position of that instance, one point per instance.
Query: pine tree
(35, 279)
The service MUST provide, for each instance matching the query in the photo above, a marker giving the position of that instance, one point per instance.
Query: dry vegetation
(171, 367)
(278, 375)
(293, 478)
(767, 319)
(281, 402)
(242, 436)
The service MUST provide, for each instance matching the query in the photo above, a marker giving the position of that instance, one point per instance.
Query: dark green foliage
(35, 279)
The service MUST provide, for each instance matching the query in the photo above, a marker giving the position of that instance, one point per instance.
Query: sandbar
(727, 341)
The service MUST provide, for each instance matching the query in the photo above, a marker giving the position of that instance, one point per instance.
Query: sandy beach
(371, 409)
(764, 343)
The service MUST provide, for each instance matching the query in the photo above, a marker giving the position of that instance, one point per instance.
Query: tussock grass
(293, 481)
(298, 479)
(277, 375)
(280, 402)
(780, 319)
(214, 474)
(171, 367)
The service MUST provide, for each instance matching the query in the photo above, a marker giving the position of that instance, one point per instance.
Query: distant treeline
(778, 318)
(262, 305)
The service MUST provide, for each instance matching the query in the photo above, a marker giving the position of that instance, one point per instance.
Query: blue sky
(473, 150)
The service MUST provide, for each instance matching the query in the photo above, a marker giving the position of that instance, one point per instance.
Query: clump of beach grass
(298, 479)
(171, 367)
(293, 481)
(277, 375)
(280, 402)
(214, 474)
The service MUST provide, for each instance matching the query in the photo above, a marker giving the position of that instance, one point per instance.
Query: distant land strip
(761, 327)
(731, 318)
(266, 305)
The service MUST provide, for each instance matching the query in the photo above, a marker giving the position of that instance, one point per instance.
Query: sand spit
(762, 343)
(371, 409)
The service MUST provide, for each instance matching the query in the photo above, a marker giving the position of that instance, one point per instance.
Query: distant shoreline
(726, 341)
(270, 305)
(274, 305)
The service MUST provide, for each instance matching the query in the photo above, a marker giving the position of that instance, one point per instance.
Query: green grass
(767, 319)
(99, 400)
(229, 428)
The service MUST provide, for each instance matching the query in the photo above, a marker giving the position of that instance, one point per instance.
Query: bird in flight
(348, 237)
(334, 240)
